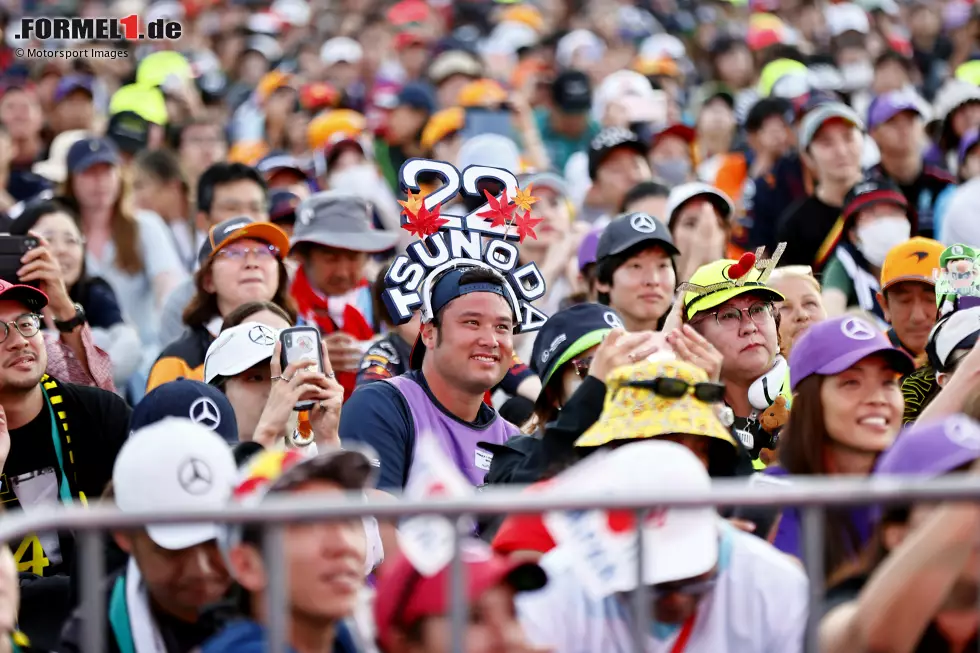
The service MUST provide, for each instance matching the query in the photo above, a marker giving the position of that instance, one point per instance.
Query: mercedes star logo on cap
(643, 223)
(612, 320)
(857, 329)
(205, 412)
(261, 335)
(194, 475)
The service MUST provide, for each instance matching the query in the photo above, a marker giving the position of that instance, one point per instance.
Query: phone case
(301, 343)
(12, 248)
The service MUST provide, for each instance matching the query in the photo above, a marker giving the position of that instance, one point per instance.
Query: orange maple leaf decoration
(425, 222)
(525, 225)
(524, 199)
(501, 211)
(413, 203)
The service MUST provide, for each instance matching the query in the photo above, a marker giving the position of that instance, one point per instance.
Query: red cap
(29, 296)
(404, 595)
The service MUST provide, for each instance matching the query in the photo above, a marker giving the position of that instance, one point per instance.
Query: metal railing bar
(277, 593)
(813, 552)
(510, 500)
(459, 607)
(640, 595)
(93, 603)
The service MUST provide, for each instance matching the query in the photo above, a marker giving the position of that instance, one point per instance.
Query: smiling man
(465, 350)
(635, 273)
(63, 442)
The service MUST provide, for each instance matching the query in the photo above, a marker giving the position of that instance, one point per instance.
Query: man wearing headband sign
(464, 277)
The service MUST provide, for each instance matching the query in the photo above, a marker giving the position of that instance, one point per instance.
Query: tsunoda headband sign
(480, 239)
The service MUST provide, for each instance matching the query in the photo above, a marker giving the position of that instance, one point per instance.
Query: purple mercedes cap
(587, 250)
(968, 142)
(834, 345)
(888, 105)
(932, 448)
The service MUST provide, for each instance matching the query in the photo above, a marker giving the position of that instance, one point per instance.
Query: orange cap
(326, 127)
(524, 14)
(272, 82)
(917, 259)
(663, 66)
(247, 152)
(442, 124)
(482, 93)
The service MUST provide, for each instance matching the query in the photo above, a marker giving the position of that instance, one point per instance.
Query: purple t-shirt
(789, 533)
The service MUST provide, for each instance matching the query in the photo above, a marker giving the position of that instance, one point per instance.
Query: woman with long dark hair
(847, 409)
(241, 261)
(104, 331)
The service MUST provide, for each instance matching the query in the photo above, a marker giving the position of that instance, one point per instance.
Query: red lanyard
(684, 635)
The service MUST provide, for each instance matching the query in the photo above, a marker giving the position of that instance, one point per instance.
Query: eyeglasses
(66, 240)
(731, 317)
(27, 325)
(582, 366)
(260, 251)
(664, 386)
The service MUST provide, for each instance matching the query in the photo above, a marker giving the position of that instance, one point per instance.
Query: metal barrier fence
(812, 495)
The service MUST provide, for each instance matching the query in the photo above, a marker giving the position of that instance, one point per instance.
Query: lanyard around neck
(64, 492)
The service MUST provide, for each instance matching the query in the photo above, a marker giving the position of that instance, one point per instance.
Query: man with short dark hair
(332, 239)
(461, 353)
(566, 127)
(173, 571)
(325, 561)
(908, 293)
(895, 122)
(200, 144)
(831, 140)
(63, 440)
(224, 191)
(635, 273)
(617, 163)
(648, 197)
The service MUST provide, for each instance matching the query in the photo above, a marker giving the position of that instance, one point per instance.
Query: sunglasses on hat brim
(672, 388)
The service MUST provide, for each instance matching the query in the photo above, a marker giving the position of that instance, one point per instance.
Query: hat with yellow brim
(634, 413)
(148, 103)
(715, 283)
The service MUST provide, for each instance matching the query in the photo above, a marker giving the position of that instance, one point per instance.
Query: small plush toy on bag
(771, 421)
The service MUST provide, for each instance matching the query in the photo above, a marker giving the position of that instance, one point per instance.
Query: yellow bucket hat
(637, 413)
(714, 284)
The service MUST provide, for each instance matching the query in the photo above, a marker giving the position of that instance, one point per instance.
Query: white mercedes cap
(175, 464)
(239, 348)
(686, 192)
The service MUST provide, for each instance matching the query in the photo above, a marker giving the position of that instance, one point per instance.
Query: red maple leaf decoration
(526, 224)
(425, 222)
(501, 211)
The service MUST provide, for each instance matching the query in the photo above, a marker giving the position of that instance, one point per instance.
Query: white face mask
(876, 238)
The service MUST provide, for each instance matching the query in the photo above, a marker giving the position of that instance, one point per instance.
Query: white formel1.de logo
(466, 240)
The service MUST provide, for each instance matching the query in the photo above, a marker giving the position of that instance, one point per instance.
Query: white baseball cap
(175, 464)
(959, 331)
(679, 195)
(239, 348)
(341, 49)
(678, 543)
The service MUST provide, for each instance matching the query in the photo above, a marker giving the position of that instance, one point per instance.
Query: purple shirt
(457, 438)
(789, 533)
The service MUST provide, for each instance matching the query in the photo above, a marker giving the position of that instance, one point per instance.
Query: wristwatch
(69, 325)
